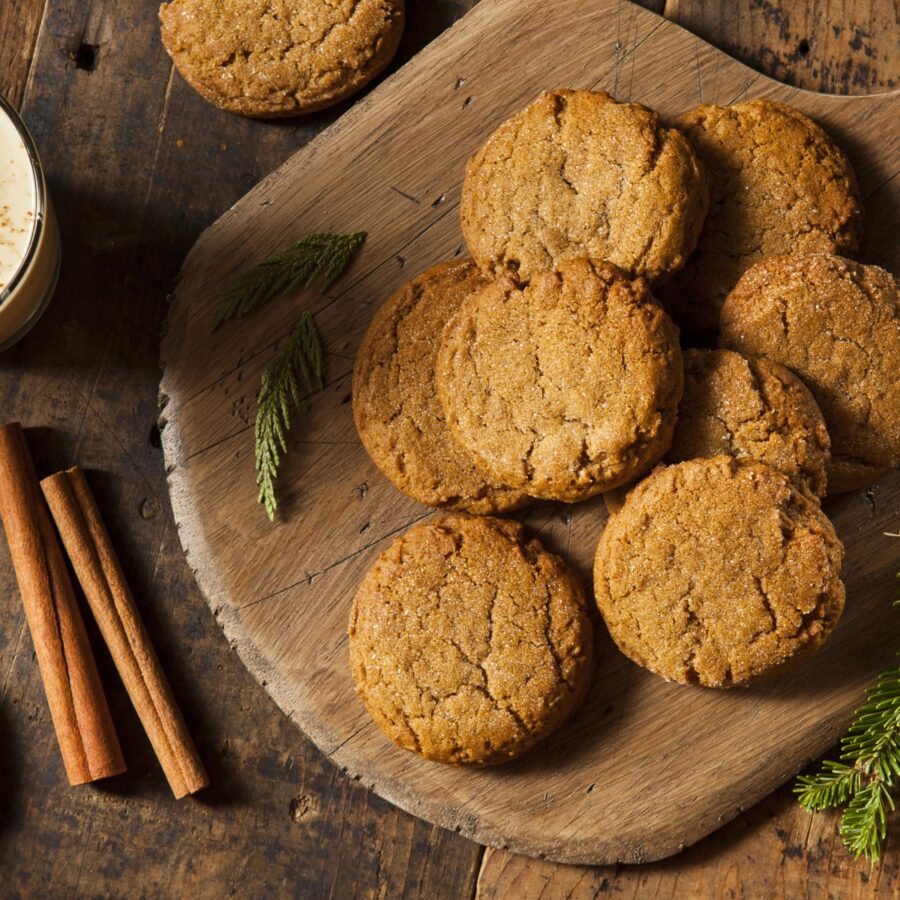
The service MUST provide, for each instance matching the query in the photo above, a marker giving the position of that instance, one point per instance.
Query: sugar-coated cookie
(469, 642)
(751, 408)
(579, 174)
(563, 388)
(398, 416)
(778, 184)
(280, 57)
(717, 571)
(836, 324)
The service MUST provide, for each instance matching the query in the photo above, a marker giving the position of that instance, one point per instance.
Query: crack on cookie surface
(577, 174)
(728, 568)
(778, 184)
(280, 57)
(564, 387)
(836, 324)
(472, 638)
(395, 405)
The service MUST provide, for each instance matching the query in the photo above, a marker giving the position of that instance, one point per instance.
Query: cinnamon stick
(84, 728)
(97, 567)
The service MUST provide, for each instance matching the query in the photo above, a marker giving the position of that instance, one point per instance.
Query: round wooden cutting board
(646, 767)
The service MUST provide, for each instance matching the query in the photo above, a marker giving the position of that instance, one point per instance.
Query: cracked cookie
(563, 388)
(754, 409)
(578, 174)
(749, 408)
(716, 571)
(836, 324)
(469, 642)
(280, 57)
(395, 406)
(777, 184)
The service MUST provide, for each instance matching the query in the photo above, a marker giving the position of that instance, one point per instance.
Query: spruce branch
(316, 259)
(864, 822)
(868, 772)
(280, 392)
(834, 785)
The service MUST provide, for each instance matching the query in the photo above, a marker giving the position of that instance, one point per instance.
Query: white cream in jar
(29, 238)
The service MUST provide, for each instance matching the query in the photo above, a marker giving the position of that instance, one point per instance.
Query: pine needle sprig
(868, 772)
(316, 259)
(864, 823)
(833, 786)
(280, 393)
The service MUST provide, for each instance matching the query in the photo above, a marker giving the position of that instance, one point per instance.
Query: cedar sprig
(280, 393)
(868, 772)
(316, 259)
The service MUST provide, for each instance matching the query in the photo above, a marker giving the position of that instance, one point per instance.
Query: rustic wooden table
(138, 165)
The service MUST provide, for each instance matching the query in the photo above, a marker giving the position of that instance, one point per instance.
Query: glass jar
(29, 235)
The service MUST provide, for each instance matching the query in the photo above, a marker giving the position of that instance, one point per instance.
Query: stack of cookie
(549, 367)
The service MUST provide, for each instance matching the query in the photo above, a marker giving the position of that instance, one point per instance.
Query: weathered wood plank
(19, 24)
(821, 45)
(771, 851)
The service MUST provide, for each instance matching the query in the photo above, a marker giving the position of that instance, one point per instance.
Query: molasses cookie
(469, 642)
(777, 183)
(578, 174)
(836, 324)
(396, 409)
(754, 409)
(280, 57)
(716, 571)
(566, 387)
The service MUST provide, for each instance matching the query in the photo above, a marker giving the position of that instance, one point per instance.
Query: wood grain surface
(826, 45)
(123, 141)
(640, 773)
